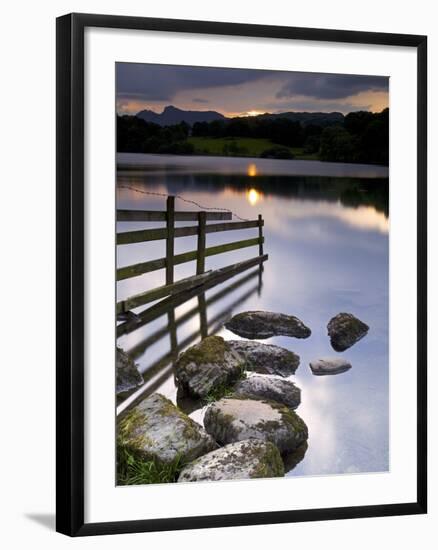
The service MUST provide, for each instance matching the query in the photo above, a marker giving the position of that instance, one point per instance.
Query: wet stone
(259, 386)
(345, 330)
(127, 375)
(264, 324)
(266, 358)
(323, 367)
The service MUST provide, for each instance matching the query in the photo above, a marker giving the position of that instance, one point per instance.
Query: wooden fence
(176, 292)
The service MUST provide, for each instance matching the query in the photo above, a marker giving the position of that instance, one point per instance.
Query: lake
(326, 234)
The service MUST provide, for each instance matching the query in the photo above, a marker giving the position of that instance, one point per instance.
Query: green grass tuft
(134, 470)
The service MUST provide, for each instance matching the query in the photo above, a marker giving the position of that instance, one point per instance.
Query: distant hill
(320, 119)
(172, 115)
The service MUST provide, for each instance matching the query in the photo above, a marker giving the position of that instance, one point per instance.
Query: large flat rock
(322, 367)
(248, 459)
(264, 324)
(127, 375)
(207, 367)
(235, 419)
(156, 429)
(345, 330)
(259, 386)
(266, 358)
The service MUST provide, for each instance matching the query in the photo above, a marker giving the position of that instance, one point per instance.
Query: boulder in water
(345, 330)
(247, 459)
(157, 430)
(259, 386)
(266, 358)
(235, 419)
(264, 324)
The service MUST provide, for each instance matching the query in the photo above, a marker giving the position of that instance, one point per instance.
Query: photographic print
(252, 274)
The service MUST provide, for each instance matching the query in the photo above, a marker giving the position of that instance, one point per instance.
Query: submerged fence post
(200, 262)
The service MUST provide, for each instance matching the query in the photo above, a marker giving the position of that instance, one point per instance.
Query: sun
(253, 113)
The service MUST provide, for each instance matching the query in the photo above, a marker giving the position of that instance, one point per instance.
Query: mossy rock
(157, 430)
(210, 367)
(248, 459)
(127, 374)
(235, 419)
(345, 330)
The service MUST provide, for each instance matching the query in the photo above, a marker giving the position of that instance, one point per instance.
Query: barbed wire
(189, 201)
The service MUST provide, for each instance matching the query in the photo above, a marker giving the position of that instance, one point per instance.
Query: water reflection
(327, 240)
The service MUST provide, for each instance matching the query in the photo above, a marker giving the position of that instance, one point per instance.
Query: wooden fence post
(261, 267)
(260, 224)
(200, 261)
(170, 253)
(170, 241)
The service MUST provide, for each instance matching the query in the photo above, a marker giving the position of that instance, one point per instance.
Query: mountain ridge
(173, 115)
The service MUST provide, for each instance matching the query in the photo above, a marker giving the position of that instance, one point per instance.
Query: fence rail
(161, 216)
(170, 233)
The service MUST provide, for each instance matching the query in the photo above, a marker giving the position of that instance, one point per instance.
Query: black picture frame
(70, 273)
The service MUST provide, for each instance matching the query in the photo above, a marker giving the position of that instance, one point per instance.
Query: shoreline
(240, 165)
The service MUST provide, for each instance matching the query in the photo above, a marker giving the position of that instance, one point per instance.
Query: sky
(239, 92)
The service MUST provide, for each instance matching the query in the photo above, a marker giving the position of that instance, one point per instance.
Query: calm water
(327, 240)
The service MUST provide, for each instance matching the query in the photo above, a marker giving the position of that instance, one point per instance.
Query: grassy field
(240, 147)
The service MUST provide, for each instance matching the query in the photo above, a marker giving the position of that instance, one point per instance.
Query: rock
(156, 429)
(127, 375)
(291, 460)
(235, 419)
(266, 358)
(264, 324)
(259, 386)
(329, 366)
(248, 459)
(208, 366)
(345, 330)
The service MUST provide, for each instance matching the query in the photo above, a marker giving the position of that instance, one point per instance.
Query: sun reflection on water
(252, 170)
(253, 196)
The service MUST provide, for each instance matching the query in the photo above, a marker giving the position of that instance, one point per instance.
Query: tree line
(363, 137)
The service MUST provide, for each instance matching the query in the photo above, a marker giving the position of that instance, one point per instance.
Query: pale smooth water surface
(327, 240)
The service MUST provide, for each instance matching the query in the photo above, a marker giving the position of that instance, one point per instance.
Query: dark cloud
(162, 82)
(330, 86)
(199, 100)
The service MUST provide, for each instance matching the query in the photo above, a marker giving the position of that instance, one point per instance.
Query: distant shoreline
(239, 165)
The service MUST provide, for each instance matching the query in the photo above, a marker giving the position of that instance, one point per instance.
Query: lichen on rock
(247, 459)
(157, 430)
(264, 324)
(235, 419)
(208, 367)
